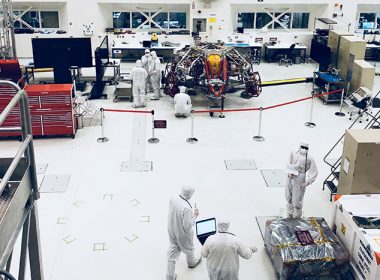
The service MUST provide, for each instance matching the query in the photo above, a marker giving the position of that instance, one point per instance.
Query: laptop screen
(206, 226)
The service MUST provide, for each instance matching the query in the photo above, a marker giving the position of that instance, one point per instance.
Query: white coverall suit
(155, 75)
(138, 77)
(182, 104)
(296, 185)
(181, 234)
(146, 63)
(222, 251)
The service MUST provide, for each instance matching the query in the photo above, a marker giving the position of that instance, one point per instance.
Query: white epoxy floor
(112, 225)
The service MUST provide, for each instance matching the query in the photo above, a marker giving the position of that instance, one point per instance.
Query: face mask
(303, 151)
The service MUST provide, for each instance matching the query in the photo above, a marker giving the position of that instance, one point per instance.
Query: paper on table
(291, 169)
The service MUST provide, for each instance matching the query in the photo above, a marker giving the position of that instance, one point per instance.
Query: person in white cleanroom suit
(222, 251)
(138, 77)
(302, 172)
(180, 228)
(155, 75)
(182, 103)
(146, 60)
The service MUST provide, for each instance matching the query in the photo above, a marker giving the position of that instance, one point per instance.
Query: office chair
(288, 56)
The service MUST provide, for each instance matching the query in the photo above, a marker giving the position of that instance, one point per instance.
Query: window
(300, 20)
(177, 20)
(138, 19)
(378, 21)
(284, 19)
(49, 19)
(32, 18)
(160, 20)
(367, 21)
(246, 20)
(16, 24)
(260, 20)
(121, 19)
(37, 19)
(263, 19)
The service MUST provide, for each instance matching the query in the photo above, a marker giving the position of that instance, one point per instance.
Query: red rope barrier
(269, 107)
(127, 111)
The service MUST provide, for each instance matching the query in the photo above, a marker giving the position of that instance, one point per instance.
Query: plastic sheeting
(322, 258)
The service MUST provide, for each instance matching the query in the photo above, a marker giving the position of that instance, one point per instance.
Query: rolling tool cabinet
(51, 108)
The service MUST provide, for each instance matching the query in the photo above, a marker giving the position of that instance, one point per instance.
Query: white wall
(75, 13)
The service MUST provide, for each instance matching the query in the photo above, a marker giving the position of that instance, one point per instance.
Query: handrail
(15, 100)
(374, 119)
(15, 162)
(26, 148)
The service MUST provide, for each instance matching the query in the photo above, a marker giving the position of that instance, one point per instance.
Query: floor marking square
(134, 202)
(136, 166)
(145, 219)
(240, 164)
(108, 196)
(99, 247)
(62, 221)
(275, 178)
(78, 203)
(54, 183)
(69, 239)
(131, 238)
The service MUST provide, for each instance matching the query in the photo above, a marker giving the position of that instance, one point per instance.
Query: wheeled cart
(123, 89)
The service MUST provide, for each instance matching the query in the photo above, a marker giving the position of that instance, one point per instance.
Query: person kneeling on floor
(182, 103)
(138, 77)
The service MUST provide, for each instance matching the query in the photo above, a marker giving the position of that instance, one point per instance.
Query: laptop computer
(205, 228)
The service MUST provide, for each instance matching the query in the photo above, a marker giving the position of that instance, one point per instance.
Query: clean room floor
(112, 225)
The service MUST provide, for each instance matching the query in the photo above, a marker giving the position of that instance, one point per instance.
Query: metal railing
(28, 221)
(26, 147)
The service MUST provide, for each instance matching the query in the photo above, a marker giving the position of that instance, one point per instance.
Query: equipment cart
(123, 88)
(325, 82)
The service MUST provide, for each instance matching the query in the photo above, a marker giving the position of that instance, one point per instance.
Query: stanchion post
(153, 140)
(258, 137)
(340, 113)
(310, 123)
(102, 139)
(192, 139)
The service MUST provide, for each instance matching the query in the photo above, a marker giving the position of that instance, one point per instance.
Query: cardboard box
(363, 75)
(333, 43)
(359, 172)
(350, 45)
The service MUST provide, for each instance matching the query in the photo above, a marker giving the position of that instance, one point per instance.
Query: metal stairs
(331, 182)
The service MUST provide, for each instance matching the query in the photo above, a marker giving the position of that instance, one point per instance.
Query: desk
(372, 52)
(252, 50)
(271, 51)
(133, 52)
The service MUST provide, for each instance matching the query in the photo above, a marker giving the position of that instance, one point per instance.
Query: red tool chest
(51, 109)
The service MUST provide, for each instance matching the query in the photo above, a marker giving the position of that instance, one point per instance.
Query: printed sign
(304, 237)
(160, 124)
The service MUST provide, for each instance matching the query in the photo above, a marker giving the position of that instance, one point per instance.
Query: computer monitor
(61, 54)
(205, 228)
(321, 54)
(146, 44)
(368, 25)
(49, 52)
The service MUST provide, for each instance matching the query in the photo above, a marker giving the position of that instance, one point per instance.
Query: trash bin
(79, 120)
